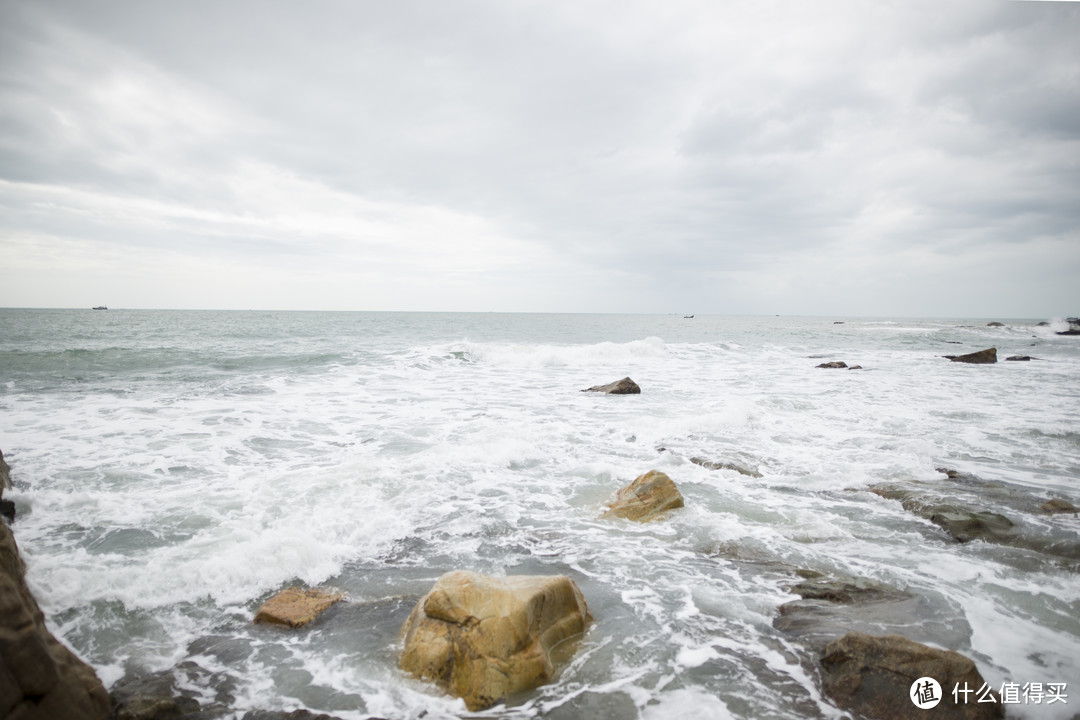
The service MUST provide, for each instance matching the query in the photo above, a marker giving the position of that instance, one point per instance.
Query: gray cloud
(745, 157)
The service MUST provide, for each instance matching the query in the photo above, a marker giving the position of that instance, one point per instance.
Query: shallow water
(174, 469)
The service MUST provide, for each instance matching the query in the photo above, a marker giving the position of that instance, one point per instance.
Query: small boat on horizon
(100, 307)
(688, 317)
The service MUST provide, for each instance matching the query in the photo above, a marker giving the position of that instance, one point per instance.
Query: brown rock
(872, 676)
(646, 498)
(835, 364)
(296, 607)
(1058, 505)
(982, 357)
(484, 638)
(40, 679)
(1020, 358)
(626, 386)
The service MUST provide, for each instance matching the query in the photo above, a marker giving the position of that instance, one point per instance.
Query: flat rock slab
(626, 386)
(296, 607)
(646, 498)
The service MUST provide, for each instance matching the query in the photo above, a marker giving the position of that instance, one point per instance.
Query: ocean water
(173, 469)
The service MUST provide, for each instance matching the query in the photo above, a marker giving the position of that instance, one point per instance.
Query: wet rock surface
(40, 679)
(647, 498)
(981, 357)
(485, 638)
(626, 386)
(873, 676)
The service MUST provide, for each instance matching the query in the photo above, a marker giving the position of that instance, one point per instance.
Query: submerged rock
(296, 607)
(995, 324)
(712, 465)
(626, 386)
(484, 638)
(873, 676)
(830, 608)
(1057, 505)
(40, 679)
(982, 357)
(646, 498)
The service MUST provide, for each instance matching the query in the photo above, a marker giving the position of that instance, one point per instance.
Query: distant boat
(688, 317)
(100, 307)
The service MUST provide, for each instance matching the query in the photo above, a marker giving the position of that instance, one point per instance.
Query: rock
(1019, 357)
(831, 608)
(626, 386)
(1042, 324)
(1058, 505)
(40, 679)
(7, 508)
(967, 525)
(484, 638)
(296, 607)
(282, 715)
(982, 357)
(186, 692)
(855, 367)
(711, 465)
(834, 364)
(995, 324)
(646, 498)
(152, 697)
(873, 676)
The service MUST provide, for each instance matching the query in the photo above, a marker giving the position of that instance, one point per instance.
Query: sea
(174, 469)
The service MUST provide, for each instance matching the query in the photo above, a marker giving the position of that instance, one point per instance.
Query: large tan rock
(40, 679)
(296, 607)
(649, 496)
(873, 676)
(484, 638)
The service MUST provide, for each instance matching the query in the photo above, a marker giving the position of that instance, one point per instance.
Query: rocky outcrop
(626, 386)
(295, 607)
(965, 522)
(873, 676)
(714, 465)
(646, 498)
(835, 364)
(7, 508)
(995, 324)
(484, 638)
(40, 679)
(1019, 358)
(982, 357)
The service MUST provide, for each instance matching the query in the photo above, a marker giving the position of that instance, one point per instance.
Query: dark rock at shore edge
(981, 357)
(40, 679)
(873, 677)
(626, 386)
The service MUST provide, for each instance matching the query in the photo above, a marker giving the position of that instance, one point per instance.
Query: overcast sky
(835, 158)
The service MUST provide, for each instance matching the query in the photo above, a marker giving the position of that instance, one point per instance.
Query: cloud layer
(903, 158)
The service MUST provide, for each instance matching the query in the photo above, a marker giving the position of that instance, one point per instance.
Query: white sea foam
(164, 493)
